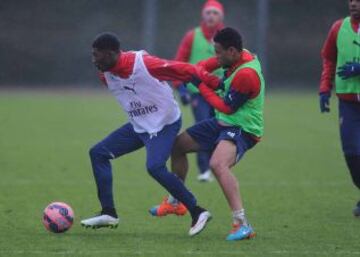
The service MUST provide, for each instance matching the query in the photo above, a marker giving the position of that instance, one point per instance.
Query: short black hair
(229, 37)
(107, 41)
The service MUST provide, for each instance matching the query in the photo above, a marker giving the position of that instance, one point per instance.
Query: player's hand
(184, 94)
(325, 102)
(221, 85)
(349, 70)
(196, 81)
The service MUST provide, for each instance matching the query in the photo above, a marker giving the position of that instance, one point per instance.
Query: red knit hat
(214, 4)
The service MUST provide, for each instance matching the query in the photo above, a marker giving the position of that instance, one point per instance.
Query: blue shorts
(209, 133)
(349, 114)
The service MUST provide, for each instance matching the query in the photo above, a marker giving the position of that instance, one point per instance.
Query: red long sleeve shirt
(162, 70)
(246, 82)
(184, 50)
(329, 55)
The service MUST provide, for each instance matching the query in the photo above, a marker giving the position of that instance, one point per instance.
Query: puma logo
(356, 43)
(130, 89)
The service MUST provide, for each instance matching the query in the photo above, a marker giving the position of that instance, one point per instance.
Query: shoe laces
(165, 200)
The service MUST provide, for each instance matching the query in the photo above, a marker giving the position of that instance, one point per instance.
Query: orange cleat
(166, 208)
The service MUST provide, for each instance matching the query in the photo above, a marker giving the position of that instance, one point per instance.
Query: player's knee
(93, 152)
(97, 152)
(218, 166)
(155, 168)
(179, 147)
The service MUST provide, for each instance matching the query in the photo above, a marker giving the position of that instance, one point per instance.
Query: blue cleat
(241, 232)
(153, 210)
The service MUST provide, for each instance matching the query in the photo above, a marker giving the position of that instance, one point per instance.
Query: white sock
(239, 217)
(172, 200)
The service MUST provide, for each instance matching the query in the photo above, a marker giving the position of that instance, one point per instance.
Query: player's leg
(350, 138)
(158, 149)
(223, 158)
(201, 136)
(233, 143)
(184, 144)
(202, 111)
(179, 165)
(121, 141)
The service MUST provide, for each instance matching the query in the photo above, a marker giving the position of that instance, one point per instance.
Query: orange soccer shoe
(166, 208)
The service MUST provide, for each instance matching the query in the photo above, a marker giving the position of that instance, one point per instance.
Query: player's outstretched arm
(214, 100)
(166, 70)
(210, 65)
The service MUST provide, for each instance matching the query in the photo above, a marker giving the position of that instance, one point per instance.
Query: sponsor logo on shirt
(356, 43)
(138, 110)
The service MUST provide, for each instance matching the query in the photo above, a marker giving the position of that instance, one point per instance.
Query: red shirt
(246, 82)
(162, 70)
(184, 51)
(329, 56)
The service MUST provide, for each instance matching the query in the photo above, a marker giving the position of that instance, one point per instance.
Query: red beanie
(214, 4)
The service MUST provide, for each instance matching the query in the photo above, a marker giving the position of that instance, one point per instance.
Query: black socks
(109, 211)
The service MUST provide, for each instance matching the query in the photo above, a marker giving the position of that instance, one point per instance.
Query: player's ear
(232, 50)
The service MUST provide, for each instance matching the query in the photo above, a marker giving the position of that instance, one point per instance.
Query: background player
(341, 62)
(135, 79)
(197, 45)
(236, 128)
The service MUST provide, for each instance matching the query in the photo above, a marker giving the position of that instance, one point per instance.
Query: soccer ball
(58, 217)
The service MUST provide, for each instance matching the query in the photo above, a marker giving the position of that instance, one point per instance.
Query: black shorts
(209, 133)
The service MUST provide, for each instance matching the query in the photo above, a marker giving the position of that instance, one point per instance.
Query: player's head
(354, 7)
(106, 50)
(212, 13)
(228, 46)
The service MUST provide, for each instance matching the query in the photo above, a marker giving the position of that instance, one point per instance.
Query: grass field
(296, 188)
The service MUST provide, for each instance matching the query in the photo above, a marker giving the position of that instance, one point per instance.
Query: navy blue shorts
(349, 113)
(209, 133)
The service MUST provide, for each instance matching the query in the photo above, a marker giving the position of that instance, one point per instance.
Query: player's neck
(209, 32)
(355, 19)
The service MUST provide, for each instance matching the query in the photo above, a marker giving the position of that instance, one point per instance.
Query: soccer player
(341, 64)
(136, 79)
(197, 45)
(236, 128)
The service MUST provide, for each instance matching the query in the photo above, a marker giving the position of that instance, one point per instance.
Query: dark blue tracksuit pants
(158, 149)
(349, 113)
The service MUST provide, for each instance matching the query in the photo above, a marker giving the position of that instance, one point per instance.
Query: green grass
(296, 188)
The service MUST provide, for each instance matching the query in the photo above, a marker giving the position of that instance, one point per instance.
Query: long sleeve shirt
(245, 85)
(163, 70)
(329, 56)
(184, 50)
